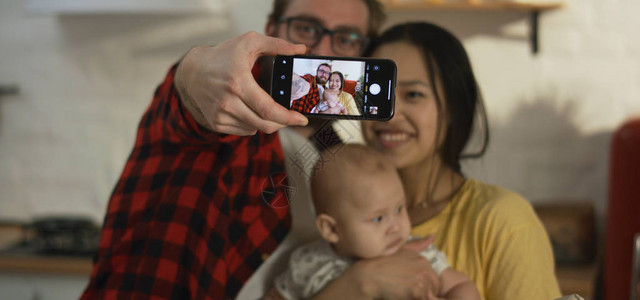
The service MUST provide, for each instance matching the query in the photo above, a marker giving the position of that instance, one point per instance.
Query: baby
(360, 208)
(330, 103)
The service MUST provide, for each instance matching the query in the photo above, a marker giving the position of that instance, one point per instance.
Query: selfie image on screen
(334, 87)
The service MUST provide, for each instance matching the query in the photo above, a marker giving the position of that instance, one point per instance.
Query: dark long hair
(448, 61)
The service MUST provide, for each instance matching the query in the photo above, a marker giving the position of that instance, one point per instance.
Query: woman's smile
(393, 138)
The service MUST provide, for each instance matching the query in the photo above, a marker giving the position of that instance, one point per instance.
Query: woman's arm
(522, 264)
(352, 109)
(403, 275)
(518, 254)
(456, 285)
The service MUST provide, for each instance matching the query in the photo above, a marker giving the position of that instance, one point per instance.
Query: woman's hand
(335, 110)
(216, 86)
(403, 275)
(431, 296)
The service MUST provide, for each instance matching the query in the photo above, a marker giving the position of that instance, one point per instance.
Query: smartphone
(335, 87)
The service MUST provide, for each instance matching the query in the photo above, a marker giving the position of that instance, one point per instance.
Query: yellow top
(494, 236)
(347, 101)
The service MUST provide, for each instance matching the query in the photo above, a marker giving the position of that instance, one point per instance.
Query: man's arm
(299, 87)
(217, 88)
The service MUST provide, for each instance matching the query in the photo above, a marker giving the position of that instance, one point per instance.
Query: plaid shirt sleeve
(308, 101)
(193, 214)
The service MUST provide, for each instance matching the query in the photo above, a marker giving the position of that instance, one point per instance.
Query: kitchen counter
(28, 263)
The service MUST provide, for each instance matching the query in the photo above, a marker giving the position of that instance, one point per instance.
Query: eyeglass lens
(310, 33)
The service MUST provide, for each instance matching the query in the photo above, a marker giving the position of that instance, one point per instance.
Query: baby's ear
(327, 226)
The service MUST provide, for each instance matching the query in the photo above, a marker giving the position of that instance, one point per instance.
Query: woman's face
(334, 82)
(409, 137)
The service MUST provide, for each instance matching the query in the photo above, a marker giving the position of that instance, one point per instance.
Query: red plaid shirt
(189, 217)
(308, 101)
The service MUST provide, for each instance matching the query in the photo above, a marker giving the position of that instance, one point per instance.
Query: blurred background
(76, 77)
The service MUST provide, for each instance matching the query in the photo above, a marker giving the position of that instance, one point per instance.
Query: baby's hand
(419, 244)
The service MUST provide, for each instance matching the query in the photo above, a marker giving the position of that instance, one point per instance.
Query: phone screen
(335, 87)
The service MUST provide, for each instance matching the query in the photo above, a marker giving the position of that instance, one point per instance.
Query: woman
(335, 100)
(487, 232)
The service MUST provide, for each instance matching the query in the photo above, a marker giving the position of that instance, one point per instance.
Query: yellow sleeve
(493, 236)
(347, 100)
(519, 261)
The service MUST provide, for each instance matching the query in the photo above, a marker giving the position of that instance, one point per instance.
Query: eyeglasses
(308, 32)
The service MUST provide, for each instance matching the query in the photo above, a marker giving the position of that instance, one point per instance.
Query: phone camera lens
(376, 68)
(282, 77)
(281, 92)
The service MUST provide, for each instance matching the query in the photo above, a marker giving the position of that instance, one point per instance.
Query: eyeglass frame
(323, 31)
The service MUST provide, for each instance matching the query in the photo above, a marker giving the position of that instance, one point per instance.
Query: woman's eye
(414, 94)
(377, 219)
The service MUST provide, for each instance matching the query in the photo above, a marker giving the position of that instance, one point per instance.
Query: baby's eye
(399, 209)
(377, 219)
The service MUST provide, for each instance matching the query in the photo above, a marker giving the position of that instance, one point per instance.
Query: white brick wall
(86, 79)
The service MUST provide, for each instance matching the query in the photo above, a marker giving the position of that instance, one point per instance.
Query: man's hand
(216, 86)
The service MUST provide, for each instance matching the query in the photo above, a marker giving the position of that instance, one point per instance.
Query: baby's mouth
(393, 245)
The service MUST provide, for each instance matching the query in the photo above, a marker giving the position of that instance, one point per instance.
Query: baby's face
(373, 222)
(330, 97)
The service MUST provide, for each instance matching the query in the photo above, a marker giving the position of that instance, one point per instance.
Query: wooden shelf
(534, 9)
(399, 5)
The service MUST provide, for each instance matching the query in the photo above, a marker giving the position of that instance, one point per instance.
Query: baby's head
(360, 202)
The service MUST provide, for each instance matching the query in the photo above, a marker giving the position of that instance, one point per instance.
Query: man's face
(322, 74)
(331, 14)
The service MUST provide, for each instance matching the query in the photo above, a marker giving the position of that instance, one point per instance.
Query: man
(322, 73)
(198, 208)
(307, 90)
